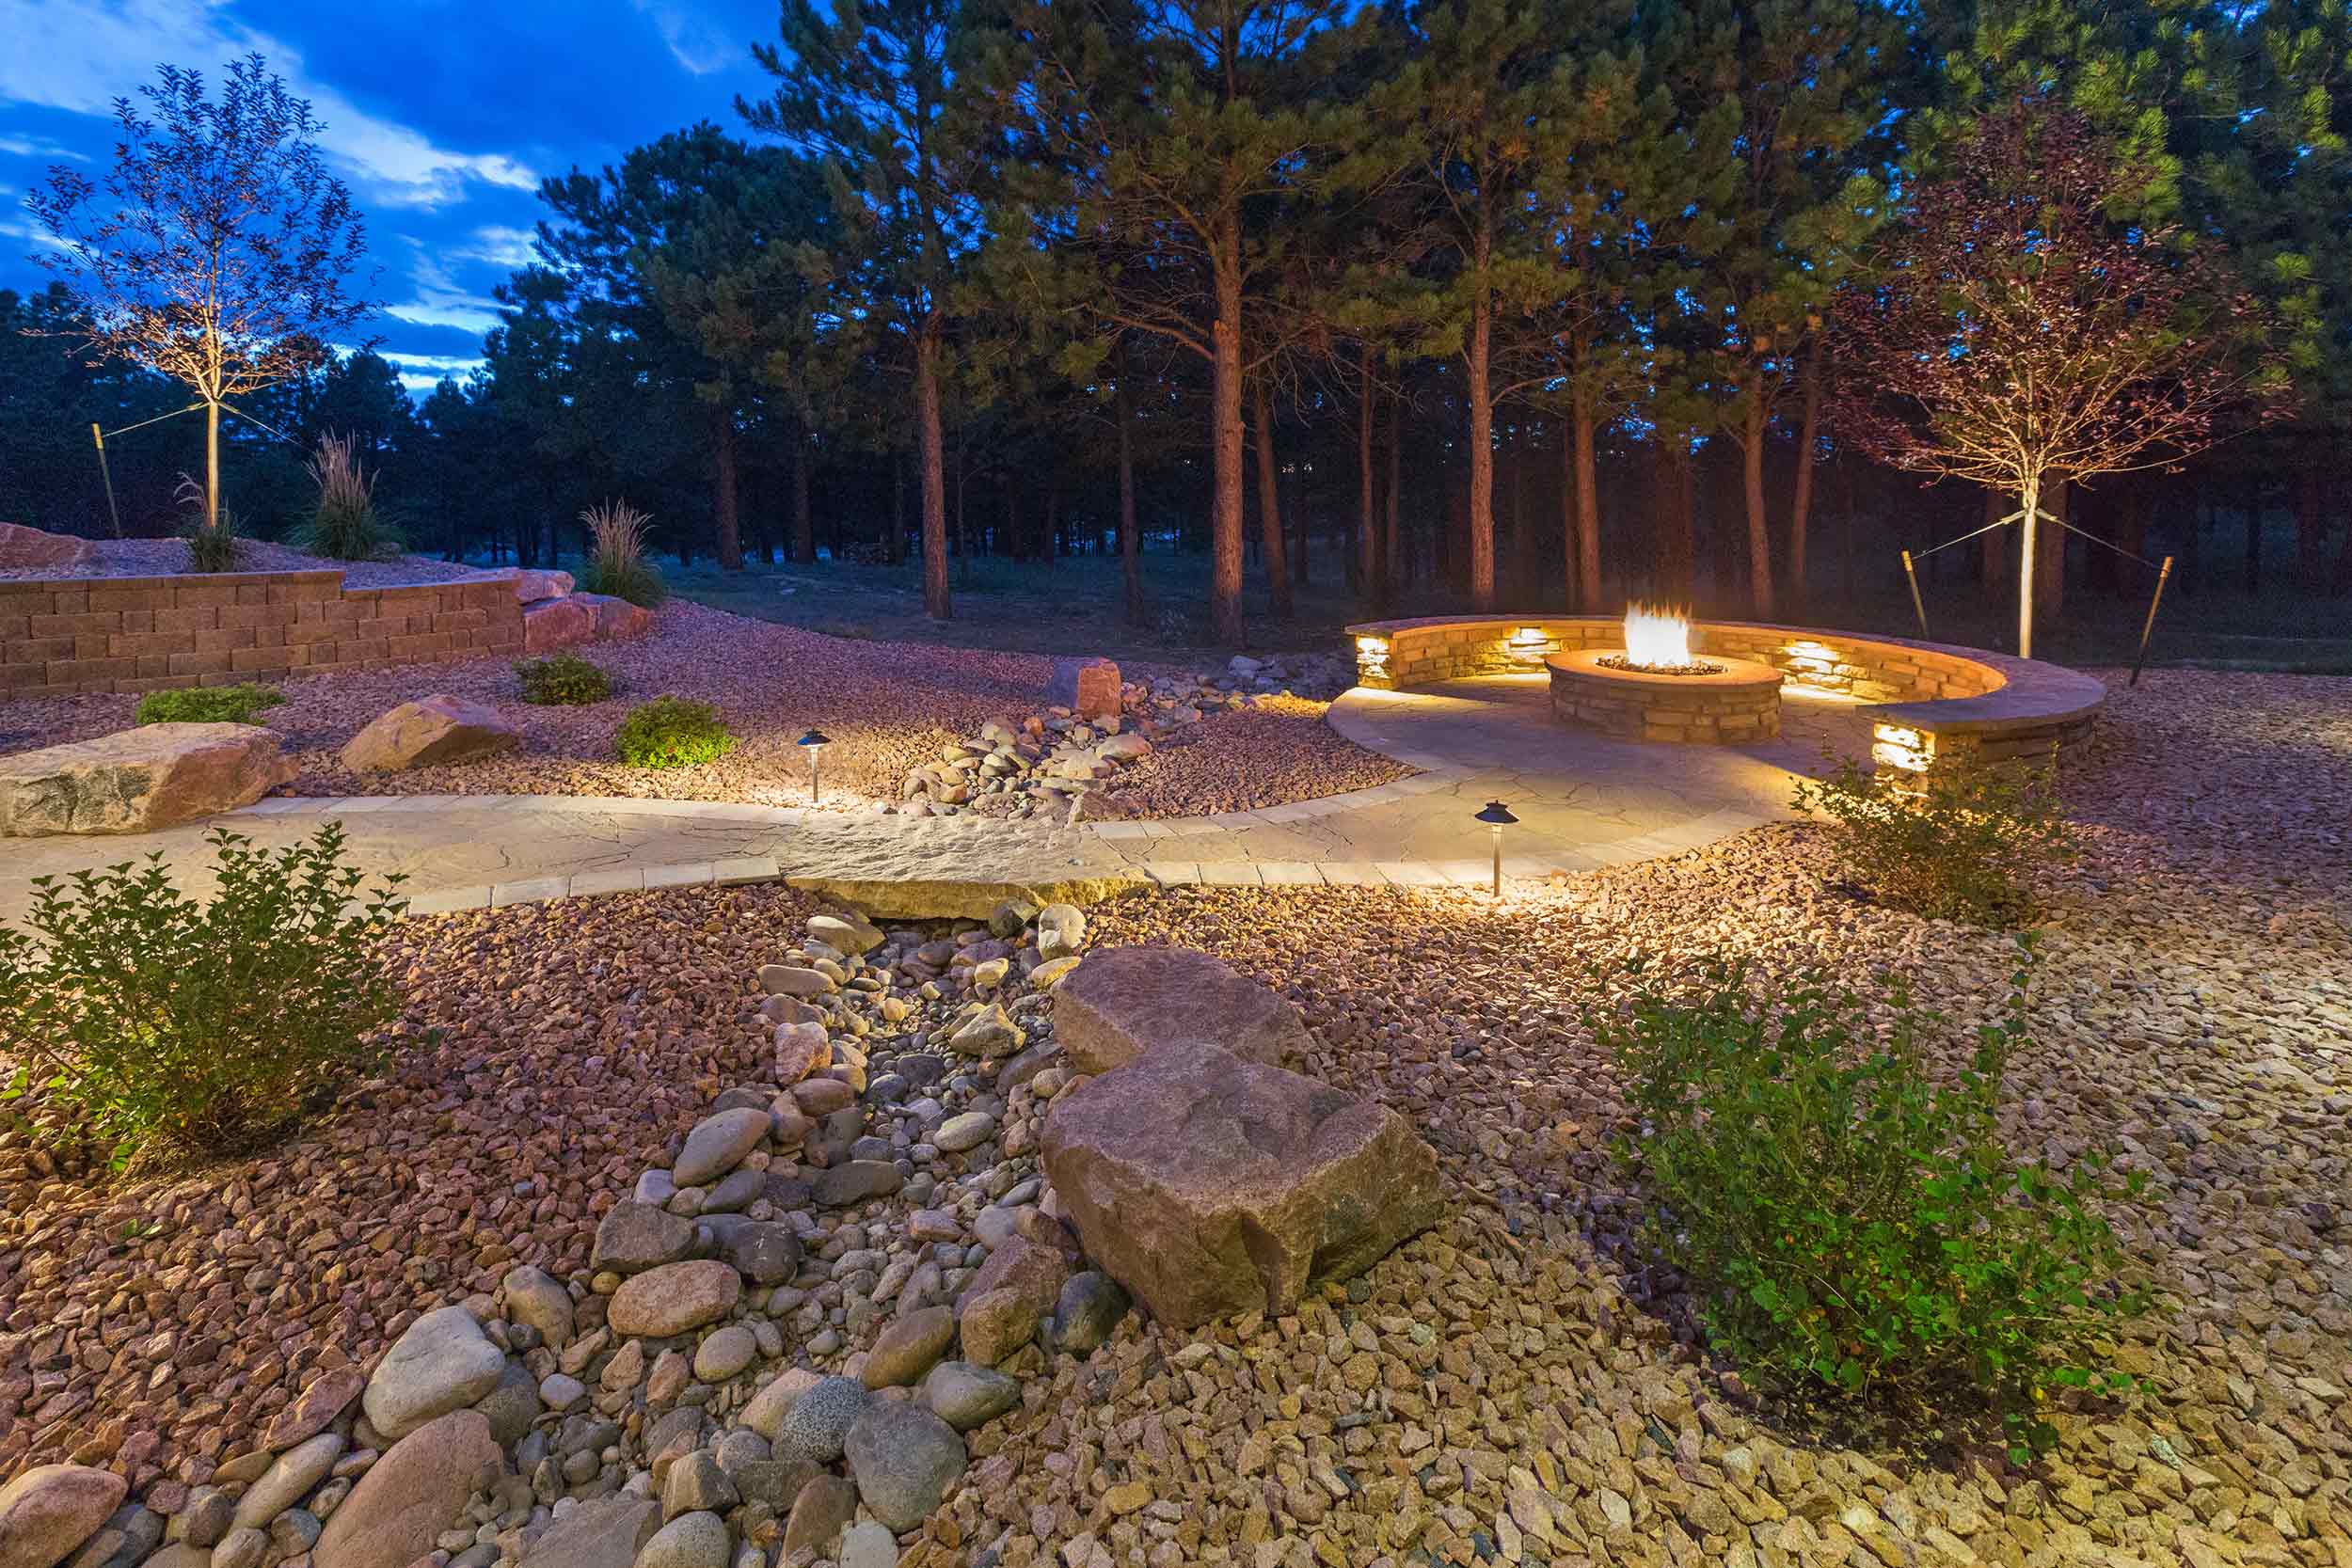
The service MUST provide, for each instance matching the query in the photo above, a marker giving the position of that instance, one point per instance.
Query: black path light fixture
(814, 743)
(1498, 816)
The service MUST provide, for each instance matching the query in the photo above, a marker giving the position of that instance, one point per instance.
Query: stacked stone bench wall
(68, 636)
(1928, 699)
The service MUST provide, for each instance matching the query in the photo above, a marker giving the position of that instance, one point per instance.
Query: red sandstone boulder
(438, 729)
(418, 1490)
(1120, 1002)
(137, 781)
(554, 624)
(49, 1511)
(1087, 686)
(23, 548)
(1209, 1185)
(615, 618)
(537, 587)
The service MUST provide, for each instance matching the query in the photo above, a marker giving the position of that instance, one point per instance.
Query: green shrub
(1849, 1225)
(159, 1023)
(1961, 841)
(562, 680)
(207, 704)
(345, 524)
(616, 556)
(672, 732)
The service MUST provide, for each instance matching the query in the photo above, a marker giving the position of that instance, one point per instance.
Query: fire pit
(1655, 688)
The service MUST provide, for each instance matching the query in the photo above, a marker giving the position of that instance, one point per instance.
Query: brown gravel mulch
(156, 558)
(885, 706)
(2193, 1009)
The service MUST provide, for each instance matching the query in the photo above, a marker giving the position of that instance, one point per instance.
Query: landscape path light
(1498, 816)
(814, 743)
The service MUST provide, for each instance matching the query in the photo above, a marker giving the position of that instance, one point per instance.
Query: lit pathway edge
(1584, 803)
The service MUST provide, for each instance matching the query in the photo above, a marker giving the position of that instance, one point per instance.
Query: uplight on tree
(218, 251)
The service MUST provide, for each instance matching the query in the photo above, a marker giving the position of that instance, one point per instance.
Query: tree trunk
(803, 527)
(1581, 420)
(1368, 535)
(2029, 533)
(725, 503)
(1752, 480)
(211, 463)
(1278, 561)
(1801, 501)
(1225, 425)
(1572, 597)
(1130, 562)
(1394, 569)
(931, 455)
(1475, 385)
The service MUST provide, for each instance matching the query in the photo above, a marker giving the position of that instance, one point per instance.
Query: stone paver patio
(1582, 801)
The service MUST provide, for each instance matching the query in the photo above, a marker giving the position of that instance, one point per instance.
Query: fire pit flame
(1656, 637)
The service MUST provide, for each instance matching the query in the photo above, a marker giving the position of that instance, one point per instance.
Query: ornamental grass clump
(345, 526)
(207, 704)
(157, 1025)
(1850, 1226)
(562, 680)
(672, 732)
(1962, 840)
(616, 556)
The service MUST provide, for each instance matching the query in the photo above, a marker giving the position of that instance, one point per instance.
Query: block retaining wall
(62, 636)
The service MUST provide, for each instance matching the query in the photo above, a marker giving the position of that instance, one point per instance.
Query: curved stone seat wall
(1929, 698)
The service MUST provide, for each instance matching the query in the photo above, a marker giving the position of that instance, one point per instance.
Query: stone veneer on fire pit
(1930, 699)
(1726, 702)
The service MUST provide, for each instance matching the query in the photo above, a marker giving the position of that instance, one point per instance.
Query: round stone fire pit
(1721, 701)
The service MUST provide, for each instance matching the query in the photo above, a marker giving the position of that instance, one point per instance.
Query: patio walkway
(1582, 801)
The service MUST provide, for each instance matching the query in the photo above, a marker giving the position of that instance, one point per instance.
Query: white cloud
(421, 372)
(39, 147)
(500, 244)
(695, 41)
(81, 55)
(439, 301)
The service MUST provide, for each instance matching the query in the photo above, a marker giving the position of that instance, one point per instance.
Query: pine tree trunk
(1801, 501)
(1475, 388)
(726, 502)
(1130, 562)
(1053, 526)
(803, 527)
(1225, 424)
(1752, 480)
(1278, 561)
(1394, 569)
(1367, 533)
(1581, 420)
(1572, 597)
(931, 453)
(2253, 539)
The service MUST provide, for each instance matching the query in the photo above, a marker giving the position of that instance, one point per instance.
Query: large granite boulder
(550, 625)
(49, 1510)
(1208, 1184)
(137, 780)
(1087, 686)
(1121, 1002)
(441, 728)
(24, 549)
(408, 1498)
(444, 1362)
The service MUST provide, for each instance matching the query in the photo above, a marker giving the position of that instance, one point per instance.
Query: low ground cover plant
(207, 704)
(672, 732)
(1962, 840)
(562, 680)
(616, 556)
(1853, 1229)
(155, 1023)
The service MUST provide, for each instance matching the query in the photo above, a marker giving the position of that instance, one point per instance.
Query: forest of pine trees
(1495, 303)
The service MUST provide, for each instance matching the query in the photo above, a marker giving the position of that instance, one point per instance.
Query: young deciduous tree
(2016, 335)
(218, 251)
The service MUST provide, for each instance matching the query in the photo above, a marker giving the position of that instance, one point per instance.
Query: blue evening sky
(442, 116)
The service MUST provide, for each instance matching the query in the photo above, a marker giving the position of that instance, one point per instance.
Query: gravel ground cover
(152, 558)
(887, 706)
(1514, 1387)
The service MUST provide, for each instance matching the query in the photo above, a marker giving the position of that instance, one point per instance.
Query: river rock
(903, 1459)
(688, 1541)
(603, 1532)
(537, 1300)
(908, 1347)
(410, 1496)
(965, 1396)
(287, 1481)
(717, 1144)
(634, 1237)
(817, 1422)
(1209, 1185)
(49, 1510)
(444, 1362)
(676, 1298)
